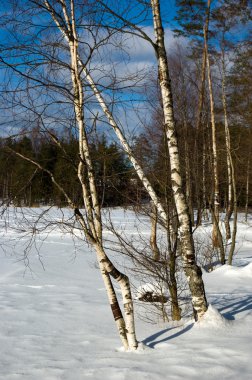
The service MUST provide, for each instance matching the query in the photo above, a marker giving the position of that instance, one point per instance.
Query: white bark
(197, 148)
(215, 159)
(93, 226)
(204, 194)
(214, 151)
(232, 248)
(229, 209)
(247, 192)
(216, 235)
(188, 175)
(116, 311)
(192, 271)
(124, 284)
(153, 237)
(125, 145)
(116, 128)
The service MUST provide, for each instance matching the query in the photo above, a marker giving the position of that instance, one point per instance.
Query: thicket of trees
(23, 185)
(74, 97)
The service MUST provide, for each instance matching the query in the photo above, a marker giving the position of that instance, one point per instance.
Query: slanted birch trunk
(192, 270)
(93, 225)
(115, 307)
(139, 170)
(176, 313)
(129, 325)
(118, 317)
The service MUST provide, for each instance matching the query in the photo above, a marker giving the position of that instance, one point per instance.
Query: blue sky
(141, 56)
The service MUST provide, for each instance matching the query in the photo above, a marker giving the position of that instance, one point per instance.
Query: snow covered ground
(55, 322)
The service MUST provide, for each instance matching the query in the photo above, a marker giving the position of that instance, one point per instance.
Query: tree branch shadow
(232, 309)
(152, 341)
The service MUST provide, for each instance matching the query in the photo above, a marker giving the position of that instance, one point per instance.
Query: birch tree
(227, 16)
(247, 192)
(192, 270)
(63, 16)
(190, 16)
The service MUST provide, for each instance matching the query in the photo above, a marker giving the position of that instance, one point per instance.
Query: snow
(148, 288)
(55, 322)
(213, 319)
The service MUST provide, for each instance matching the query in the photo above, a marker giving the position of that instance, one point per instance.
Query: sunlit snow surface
(55, 322)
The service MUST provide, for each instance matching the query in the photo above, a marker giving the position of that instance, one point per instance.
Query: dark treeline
(151, 143)
(24, 184)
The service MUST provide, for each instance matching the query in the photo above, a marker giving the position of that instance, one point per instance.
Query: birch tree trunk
(153, 237)
(94, 217)
(105, 269)
(247, 192)
(214, 146)
(115, 307)
(173, 288)
(230, 205)
(196, 147)
(124, 284)
(232, 248)
(188, 176)
(216, 218)
(172, 242)
(204, 192)
(93, 227)
(140, 172)
(216, 234)
(192, 271)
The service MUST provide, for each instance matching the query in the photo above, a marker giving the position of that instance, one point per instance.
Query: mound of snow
(247, 270)
(213, 319)
(230, 270)
(141, 349)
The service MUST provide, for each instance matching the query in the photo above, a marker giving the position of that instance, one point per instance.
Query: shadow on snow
(152, 341)
(231, 309)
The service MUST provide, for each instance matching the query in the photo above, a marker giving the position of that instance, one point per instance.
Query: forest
(108, 104)
(56, 148)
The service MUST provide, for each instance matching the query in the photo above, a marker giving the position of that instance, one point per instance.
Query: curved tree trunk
(115, 307)
(92, 227)
(124, 284)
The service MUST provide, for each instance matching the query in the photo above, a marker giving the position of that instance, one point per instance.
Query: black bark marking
(116, 311)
